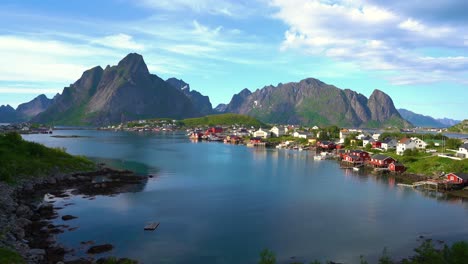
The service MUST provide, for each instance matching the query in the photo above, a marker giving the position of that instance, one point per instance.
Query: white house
(419, 143)
(404, 144)
(463, 151)
(388, 143)
(315, 128)
(261, 133)
(277, 131)
(299, 135)
(376, 136)
(367, 140)
(362, 136)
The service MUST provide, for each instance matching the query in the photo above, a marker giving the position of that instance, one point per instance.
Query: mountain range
(313, 102)
(128, 91)
(426, 121)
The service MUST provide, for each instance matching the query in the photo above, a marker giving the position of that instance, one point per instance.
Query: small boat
(318, 157)
(151, 226)
(356, 168)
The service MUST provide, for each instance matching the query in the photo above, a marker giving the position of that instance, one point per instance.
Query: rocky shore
(26, 217)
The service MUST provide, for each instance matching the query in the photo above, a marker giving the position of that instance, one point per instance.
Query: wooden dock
(151, 226)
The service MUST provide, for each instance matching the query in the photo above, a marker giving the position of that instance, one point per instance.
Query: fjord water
(219, 203)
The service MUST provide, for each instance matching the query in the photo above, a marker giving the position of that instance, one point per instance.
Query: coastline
(26, 217)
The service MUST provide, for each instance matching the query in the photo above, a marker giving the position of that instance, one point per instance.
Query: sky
(412, 50)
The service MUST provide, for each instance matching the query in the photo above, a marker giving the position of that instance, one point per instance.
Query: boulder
(100, 249)
(68, 217)
(24, 211)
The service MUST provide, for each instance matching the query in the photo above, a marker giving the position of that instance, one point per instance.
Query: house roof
(380, 157)
(397, 164)
(358, 151)
(387, 140)
(465, 146)
(463, 176)
(354, 156)
(404, 140)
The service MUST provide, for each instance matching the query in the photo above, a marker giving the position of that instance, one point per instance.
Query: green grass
(10, 257)
(223, 119)
(20, 159)
(426, 164)
(460, 128)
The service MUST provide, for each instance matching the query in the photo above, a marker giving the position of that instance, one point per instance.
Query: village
(355, 149)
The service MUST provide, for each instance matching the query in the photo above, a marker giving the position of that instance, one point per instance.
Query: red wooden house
(396, 167)
(365, 156)
(379, 160)
(461, 178)
(255, 140)
(214, 130)
(353, 159)
(327, 145)
(376, 144)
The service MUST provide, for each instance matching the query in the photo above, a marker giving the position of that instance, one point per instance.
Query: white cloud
(119, 41)
(213, 7)
(373, 37)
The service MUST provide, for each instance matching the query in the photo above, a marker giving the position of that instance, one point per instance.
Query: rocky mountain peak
(381, 106)
(179, 84)
(34, 107)
(133, 63)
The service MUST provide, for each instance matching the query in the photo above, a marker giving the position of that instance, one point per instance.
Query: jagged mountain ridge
(117, 94)
(201, 103)
(8, 114)
(34, 107)
(313, 102)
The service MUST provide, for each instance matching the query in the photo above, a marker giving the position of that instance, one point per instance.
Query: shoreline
(27, 217)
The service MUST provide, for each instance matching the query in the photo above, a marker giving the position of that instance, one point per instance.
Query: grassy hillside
(460, 128)
(222, 119)
(22, 159)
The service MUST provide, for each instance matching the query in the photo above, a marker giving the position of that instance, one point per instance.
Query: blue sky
(414, 51)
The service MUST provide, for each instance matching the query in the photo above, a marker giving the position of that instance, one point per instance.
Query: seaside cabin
(354, 159)
(233, 139)
(255, 140)
(342, 153)
(380, 160)
(327, 145)
(214, 130)
(260, 134)
(396, 167)
(364, 155)
(459, 178)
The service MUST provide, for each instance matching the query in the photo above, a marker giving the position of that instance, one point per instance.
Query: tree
(368, 146)
(453, 143)
(267, 257)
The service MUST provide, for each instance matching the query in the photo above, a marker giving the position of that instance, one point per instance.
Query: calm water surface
(221, 203)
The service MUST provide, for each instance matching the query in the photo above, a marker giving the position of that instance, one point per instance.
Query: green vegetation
(22, 159)
(462, 127)
(10, 257)
(419, 162)
(426, 253)
(223, 119)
